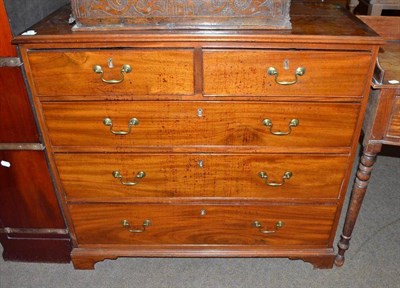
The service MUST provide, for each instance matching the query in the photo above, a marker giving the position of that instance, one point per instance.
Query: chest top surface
(311, 22)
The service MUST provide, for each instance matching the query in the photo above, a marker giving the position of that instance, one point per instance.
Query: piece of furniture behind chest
(382, 118)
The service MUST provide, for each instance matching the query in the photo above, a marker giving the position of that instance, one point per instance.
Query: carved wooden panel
(183, 13)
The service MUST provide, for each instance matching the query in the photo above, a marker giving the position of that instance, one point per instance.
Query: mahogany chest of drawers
(203, 143)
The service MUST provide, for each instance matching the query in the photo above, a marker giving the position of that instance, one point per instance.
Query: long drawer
(72, 72)
(120, 177)
(203, 224)
(200, 123)
(299, 73)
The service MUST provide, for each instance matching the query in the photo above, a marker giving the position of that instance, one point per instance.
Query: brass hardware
(125, 69)
(278, 225)
(127, 225)
(132, 122)
(139, 175)
(203, 212)
(273, 72)
(200, 113)
(292, 123)
(286, 176)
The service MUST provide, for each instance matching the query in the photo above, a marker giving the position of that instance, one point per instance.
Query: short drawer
(285, 73)
(123, 177)
(202, 224)
(394, 124)
(130, 124)
(72, 73)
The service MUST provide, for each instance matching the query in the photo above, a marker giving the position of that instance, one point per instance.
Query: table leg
(357, 195)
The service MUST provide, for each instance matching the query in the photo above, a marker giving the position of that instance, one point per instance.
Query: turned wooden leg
(357, 195)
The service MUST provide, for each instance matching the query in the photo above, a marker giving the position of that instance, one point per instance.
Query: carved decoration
(144, 11)
(173, 8)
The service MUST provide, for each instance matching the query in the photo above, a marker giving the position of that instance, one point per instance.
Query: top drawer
(72, 72)
(285, 73)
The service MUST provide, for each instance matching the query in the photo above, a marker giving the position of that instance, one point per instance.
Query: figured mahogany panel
(394, 124)
(246, 72)
(27, 195)
(17, 123)
(165, 123)
(203, 224)
(71, 72)
(90, 176)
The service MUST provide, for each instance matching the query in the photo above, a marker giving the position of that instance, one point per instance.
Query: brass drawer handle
(292, 123)
(278, 225)
(127, 225)
(140, 175)
(299, 72)
(125, 69)
(132, 122)
(286, 176)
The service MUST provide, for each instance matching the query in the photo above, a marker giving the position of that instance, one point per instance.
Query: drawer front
(18, 123)
(71, 73)
(118, 177)
(200, 123)
(27, 194)
(394, 125)
(203, 224)
(245, 72)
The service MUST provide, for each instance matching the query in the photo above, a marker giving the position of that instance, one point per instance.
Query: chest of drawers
(202, 143)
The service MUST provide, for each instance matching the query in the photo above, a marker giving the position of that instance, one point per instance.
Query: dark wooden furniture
(32, 227)
(183, 143)
(382, 119)
(375, 7)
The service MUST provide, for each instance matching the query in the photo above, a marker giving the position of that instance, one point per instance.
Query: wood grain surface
(177, 123)
(88, 177)
(6, 48)
(17, 124)
(27, 194)
(244, 72)
(303, 225)
(70, 72)
(394, 124)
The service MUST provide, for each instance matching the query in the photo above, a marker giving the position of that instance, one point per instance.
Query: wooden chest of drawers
(202, 144)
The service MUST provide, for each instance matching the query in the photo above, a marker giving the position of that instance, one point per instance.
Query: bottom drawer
(203, 224)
